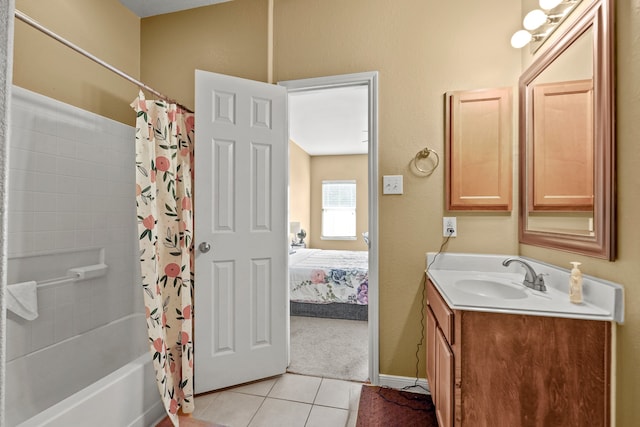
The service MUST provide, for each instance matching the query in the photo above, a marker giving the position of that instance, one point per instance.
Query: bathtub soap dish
(88, 272)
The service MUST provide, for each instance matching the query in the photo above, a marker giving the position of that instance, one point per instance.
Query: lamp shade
(294, 227)
(520, 38)
(534, 19)
(549, 4)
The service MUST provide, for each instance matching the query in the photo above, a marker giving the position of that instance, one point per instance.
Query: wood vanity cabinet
(495, 369)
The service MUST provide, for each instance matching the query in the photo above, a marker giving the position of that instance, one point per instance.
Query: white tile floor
(286, 401)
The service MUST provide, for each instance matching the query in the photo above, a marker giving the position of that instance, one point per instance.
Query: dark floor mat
(387, 407)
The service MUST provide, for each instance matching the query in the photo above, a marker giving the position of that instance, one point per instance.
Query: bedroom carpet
(387, 407)
(329, 348)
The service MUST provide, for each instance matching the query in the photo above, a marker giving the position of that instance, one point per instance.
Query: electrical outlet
(449, 226)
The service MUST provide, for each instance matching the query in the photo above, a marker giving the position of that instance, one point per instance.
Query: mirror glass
(566, 140)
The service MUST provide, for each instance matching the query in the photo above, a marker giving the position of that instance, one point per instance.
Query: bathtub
(112, 381)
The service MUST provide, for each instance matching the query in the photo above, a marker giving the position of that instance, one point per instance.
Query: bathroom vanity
(501, 354)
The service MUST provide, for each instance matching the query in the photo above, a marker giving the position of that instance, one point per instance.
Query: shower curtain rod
(28, 20)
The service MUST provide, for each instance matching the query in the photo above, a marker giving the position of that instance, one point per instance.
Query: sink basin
(490, 288)
(479, 282)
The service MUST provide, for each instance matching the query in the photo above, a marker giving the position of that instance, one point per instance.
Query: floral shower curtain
(164, 183)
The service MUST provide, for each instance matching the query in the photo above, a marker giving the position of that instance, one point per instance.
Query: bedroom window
(339, 210)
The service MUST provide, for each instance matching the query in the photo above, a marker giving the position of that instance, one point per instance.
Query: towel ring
(423, 154)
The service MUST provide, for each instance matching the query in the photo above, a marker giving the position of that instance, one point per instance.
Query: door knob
(204, 247)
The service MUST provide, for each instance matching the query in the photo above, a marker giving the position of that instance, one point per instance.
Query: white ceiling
(330, 121)
(145, 8)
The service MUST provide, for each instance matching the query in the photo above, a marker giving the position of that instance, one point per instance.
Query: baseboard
(396, 382)
(155, 412)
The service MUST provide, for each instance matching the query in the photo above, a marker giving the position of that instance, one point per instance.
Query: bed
(329, 283)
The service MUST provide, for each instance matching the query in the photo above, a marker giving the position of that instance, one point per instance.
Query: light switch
(392, 184)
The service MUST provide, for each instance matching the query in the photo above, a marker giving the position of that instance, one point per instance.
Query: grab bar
(76, 274)
(56, 281)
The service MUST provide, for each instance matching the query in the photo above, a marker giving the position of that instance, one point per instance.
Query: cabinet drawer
(441, 311)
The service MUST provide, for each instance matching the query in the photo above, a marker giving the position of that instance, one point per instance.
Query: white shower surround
(6, 75)
(71, 198)
(113, 381)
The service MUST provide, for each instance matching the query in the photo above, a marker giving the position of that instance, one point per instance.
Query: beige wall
(626, 269)
(421, 49)
(106, 29)
(228, 38)
(300, 187)
(354, 167)
(306, 174)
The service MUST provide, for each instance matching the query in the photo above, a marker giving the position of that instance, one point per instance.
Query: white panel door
(241, 163)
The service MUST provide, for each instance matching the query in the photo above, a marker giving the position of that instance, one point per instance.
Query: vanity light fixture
(543, 21)
(520, 39)
(534, 19)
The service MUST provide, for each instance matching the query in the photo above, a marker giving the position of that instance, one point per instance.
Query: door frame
(370, 79)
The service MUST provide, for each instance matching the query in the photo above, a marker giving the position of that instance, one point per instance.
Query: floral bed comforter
(325, 276)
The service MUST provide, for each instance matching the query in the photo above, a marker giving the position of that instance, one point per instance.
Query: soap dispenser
(575, 284)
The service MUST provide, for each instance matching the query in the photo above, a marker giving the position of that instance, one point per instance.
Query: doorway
(365, 136)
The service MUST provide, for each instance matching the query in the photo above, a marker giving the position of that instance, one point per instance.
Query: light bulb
(534, 19)
(549, 4)
(520, 39)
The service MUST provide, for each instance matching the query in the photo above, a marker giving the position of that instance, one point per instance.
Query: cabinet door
(444, 379)
(562, 167)
(479, 165)
(431, 354)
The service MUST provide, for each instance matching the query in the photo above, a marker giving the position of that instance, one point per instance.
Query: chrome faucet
(531, 279)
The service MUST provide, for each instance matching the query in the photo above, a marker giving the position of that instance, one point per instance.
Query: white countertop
(603, 300)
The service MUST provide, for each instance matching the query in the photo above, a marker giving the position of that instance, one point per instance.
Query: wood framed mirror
(567, 139)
